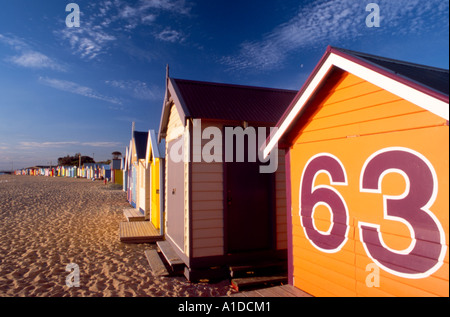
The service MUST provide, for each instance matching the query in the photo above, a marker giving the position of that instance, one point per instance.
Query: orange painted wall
(354, 123)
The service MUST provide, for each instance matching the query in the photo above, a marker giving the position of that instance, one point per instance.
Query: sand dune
(48, 223)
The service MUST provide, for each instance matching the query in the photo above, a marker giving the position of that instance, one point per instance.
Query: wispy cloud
(329, 21)
(109, 21)
(35, 60)
(87, 41)
(148, 9)
(28, 57)
(75, 88)
(60, 144)
(137, 89)
(169, 35)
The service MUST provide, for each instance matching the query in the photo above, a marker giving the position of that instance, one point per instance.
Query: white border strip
(323, 71)
(427, 102)
(436, 106)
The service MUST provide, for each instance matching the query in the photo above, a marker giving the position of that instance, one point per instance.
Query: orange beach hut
(367, 153)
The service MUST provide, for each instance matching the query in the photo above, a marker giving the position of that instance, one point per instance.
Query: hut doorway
(175, 197)
(248, 200)
(133, 185)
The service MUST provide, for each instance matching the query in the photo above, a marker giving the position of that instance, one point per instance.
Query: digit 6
(312, 196)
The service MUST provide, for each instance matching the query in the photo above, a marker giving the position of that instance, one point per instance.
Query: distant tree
(116, 155)
(74, 160)
(105, 162)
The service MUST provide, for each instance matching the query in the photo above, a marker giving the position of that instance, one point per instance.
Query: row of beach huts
(357, 204)
(110, 172)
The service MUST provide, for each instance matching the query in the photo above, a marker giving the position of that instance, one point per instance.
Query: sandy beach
(48, 223)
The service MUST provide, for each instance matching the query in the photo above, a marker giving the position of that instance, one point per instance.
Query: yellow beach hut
(155, 166)
(367, 152)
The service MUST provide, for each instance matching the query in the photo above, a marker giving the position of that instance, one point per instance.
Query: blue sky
(67, 90)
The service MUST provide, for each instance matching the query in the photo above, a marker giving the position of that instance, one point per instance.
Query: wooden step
(132, 214)
(138, 232)
(275, 291)
(156, 264)
(170, 255)
(261, 269)
(240, 284)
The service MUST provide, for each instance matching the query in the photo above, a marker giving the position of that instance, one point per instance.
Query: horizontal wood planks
(132, 214)
(169, 253)
(155, 262)
(138, 232)
(276, 291)
(249, 282)
(352, 121)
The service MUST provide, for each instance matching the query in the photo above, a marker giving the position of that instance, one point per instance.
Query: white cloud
(60, 144)
(75, 88)
(111, 20)
(324, 22)
(174, 6)
(14, 42)
(101, 144)
(88, 41)
(36, 60)
(137, 89)
(169, 35)
(29, 57)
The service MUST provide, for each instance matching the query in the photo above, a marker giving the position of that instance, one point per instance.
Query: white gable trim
(129, 154)
(125, 161)
(152, 148)
(421, 99)
(148, 151)
(309, 91)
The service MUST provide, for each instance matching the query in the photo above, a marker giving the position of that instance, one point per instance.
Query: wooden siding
(207, 203)
(352, 120)
(175, 126)
(280, 203)
(203, 194)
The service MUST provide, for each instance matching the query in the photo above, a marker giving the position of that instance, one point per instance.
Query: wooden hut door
(248, 200)
(175, 198)
(133, 185)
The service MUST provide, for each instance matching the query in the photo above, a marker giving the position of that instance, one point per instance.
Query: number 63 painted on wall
(427, 250)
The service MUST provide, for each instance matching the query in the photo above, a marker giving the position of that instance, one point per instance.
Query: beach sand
(47, 223)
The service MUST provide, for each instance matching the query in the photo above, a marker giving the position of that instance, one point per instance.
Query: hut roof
(425, 86)
(433, 78)
(224, 102)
